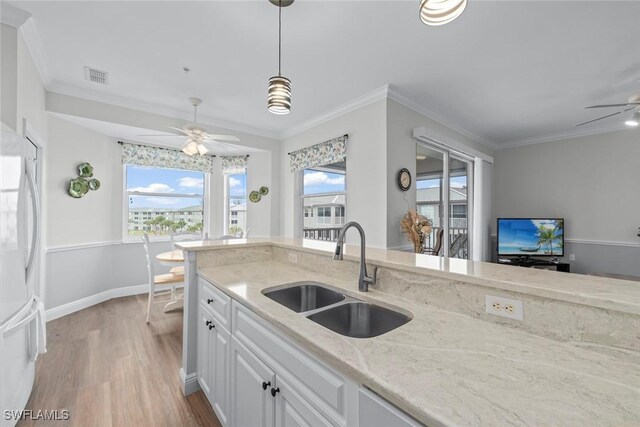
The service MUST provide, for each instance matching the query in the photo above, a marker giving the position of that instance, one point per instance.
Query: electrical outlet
(293, 257)
(504, 307)
(572, 257)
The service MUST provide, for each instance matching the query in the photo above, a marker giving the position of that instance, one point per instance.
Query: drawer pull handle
(208, 322)
(274, 391)
(265, 385)
(209, 301)
(211, 326)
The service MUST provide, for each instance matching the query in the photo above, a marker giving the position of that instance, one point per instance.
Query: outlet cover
(572, 257)
(293, 257)
(504, 307)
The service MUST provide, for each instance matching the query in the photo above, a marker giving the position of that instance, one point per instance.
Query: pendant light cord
(279, 36)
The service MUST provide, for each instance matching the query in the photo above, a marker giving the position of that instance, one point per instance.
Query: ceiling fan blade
(607, 116)
(178, 129)
(166, 134)
(614, 105)
(223, 137)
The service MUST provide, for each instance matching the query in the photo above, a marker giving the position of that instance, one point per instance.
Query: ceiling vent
(96, 76)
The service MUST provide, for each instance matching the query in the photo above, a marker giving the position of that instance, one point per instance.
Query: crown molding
(12, 16)
(560, 136)
(33, 41)
(118, 101)
(421, 109)
(362, 101)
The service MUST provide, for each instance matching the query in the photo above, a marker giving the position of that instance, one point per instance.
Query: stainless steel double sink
(336, 311)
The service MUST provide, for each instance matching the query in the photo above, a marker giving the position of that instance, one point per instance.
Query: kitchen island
(572, 360)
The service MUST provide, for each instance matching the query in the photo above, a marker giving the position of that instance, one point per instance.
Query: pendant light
(634, 121)
(440, 12)
(279, 99)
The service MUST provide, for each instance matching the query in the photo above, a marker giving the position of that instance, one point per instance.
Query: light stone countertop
(448, 369)
(611, 294)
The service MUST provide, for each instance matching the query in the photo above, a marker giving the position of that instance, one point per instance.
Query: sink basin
(360, 319)
(305, 296)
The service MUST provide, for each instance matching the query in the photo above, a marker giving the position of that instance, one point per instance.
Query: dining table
(175, 260)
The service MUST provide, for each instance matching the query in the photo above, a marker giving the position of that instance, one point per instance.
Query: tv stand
(536, 263)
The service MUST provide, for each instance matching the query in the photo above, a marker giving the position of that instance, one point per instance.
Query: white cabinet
(255, 376)
(293, 410)
(251, 381)
(212, 363)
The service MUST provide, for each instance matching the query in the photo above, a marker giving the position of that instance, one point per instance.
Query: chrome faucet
(363, 280)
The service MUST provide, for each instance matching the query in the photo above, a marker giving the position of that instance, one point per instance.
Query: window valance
(164, 158)
(327, 152)
(234, 164)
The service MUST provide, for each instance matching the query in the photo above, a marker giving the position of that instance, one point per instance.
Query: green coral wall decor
(81, 185)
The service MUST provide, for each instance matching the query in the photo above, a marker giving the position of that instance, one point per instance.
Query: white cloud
(190, 182)
(318, 178)
(234, 182)
(162, 200)
(153, 188)
(549, 224)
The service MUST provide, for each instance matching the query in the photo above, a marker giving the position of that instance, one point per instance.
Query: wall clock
(404, 179)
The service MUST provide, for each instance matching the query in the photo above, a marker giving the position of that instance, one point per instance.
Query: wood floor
(109, 368)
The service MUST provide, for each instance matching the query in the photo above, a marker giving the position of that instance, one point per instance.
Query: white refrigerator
(22, 322)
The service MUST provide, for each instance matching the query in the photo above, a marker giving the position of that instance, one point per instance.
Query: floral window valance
(327, 152)
(234, 164)
(164, 158)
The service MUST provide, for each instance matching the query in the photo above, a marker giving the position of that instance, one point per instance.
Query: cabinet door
(292, 410)
(203, 362)
(220, 352)
(251, 405)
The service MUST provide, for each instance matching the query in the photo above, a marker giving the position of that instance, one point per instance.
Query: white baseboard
(189, 382)
(72, 307)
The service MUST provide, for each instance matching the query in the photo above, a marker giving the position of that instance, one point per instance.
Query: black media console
(537, 263)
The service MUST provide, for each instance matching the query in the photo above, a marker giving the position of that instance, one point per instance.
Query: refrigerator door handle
(35, 237)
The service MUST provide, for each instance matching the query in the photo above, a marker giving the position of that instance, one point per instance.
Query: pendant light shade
(441, 12)
(279, 97)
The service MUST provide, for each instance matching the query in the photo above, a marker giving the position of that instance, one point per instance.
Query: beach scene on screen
(530, 237)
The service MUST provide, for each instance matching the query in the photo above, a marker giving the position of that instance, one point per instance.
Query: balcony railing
(461, 250)
(328, 234)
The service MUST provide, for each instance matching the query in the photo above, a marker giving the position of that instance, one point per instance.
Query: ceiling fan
(197, 136)
(632, 104)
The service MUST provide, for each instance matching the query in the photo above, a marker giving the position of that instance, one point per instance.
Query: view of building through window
(236, 193)
(161, 200)
(324, 201)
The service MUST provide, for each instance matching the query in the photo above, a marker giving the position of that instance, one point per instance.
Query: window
(323, 195)
(162, 200)
(236, 203)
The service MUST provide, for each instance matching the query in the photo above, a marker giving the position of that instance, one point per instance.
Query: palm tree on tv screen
(547, 236)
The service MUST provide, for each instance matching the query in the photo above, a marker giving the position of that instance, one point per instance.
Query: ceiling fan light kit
(634, 121)
(279, 94)
(441, 12)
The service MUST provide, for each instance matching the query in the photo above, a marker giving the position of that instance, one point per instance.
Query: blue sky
(456, 182)
(322, 182)
(169, 181)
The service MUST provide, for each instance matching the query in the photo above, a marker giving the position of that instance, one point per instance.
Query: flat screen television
(526, 237)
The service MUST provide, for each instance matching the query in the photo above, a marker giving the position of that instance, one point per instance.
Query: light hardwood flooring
(109, 368)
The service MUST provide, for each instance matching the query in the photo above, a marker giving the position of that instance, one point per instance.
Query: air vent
(96, 76)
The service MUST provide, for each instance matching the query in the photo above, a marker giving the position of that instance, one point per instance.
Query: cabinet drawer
(377, 412)
(319, 384)
(217, 302)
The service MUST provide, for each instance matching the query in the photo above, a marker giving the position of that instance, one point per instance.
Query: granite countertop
(608, 293)
(445, 368)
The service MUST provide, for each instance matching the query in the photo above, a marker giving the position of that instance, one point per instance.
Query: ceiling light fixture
(634, 121)
(421, 157)
(441, 12)
(279, 98)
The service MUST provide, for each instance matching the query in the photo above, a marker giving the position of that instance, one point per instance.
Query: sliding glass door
(444, 195)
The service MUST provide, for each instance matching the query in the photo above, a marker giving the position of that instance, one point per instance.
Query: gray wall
(592, 182)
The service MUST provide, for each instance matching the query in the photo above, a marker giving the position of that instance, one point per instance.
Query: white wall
(8, 75)
(590, 181)
(401, 153)
(97, 217)
(365, 178)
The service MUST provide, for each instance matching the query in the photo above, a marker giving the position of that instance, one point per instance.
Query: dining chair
(435, 250)
(159, 284)
(186, 237)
